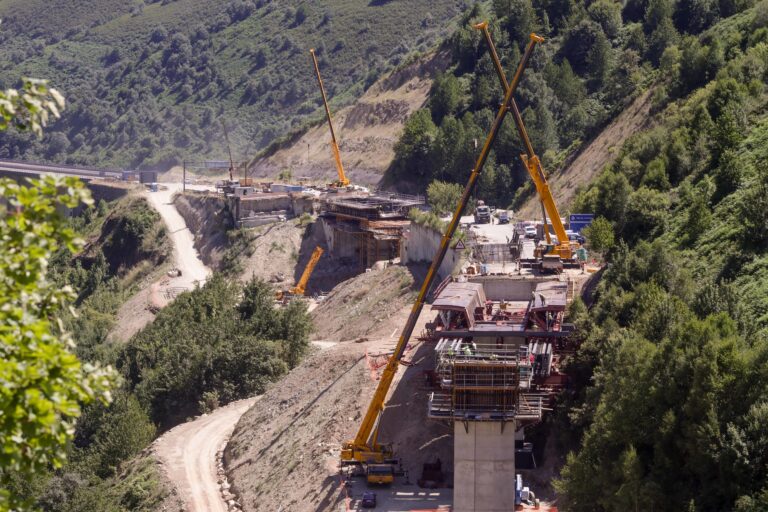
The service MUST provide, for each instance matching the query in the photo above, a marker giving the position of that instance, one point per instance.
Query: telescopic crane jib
(301, 284)
(530, 159)
(343, 181)
(365, 447)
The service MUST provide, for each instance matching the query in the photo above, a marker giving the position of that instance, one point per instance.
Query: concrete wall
(340, 243)
(420, 244)
(484, 467)
(508, 288)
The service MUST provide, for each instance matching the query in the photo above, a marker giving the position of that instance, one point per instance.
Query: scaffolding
(484, 382)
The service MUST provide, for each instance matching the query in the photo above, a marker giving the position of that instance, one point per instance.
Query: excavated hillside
(284, 452)
(587, 163)
(352, 311)
(367, 130)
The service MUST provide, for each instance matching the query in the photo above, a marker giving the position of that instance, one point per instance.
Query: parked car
(369, 499)
(575, 237)
(530, 232)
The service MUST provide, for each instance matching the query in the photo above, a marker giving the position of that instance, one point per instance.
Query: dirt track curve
(188, 455)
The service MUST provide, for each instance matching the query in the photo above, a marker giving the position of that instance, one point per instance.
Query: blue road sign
(579, 221)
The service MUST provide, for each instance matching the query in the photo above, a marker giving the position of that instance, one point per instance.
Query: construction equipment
(563, 250)
(343, 181)
(381, 474)
(245, 181)
(301, 285)
(365, 447)
(229, 150)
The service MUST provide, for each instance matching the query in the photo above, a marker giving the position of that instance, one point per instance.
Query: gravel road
(188, 455)
(185, 255)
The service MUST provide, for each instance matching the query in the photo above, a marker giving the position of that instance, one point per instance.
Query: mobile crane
(563, 250)
(343, 180)
(301, 285)
(365, 448)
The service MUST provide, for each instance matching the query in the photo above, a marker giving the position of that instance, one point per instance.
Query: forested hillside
(596, 58)
(669, 399)
(229, 343)
(149, 82)
(675, 416)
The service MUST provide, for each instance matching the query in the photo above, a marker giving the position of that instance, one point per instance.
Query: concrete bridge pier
(484, 466)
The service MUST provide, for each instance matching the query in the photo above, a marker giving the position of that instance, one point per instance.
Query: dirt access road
(185, 256)
(188, 455)
(188, 451)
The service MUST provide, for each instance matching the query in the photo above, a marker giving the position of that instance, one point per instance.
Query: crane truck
(553, 255)
(343, 180)
(301, 285)
(366, 448)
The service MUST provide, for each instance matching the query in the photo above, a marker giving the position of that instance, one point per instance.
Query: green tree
(414, 148)
(599, 235)
(693, 16)
(663, 36)
(518, 18)
(613, 192)
(443, 196)
(295, 326)
(445, 96)
(608, 15)
(657, 12)
(646, 214)
(579, 45)
(45, 384)
(567, 85)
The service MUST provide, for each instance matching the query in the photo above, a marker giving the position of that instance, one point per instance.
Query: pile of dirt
(367, 130)
(208, 218)
(594, 156)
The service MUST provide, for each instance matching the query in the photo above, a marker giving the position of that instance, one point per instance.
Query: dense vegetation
(596, 57)
(150, 82)
(228, 343)
(669, 408)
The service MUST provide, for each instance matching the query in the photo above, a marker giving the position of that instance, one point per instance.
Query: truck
(482, 213)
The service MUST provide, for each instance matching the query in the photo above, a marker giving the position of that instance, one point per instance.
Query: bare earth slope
(367, 130)
(367, 306)
(284, 452)
(594, 156)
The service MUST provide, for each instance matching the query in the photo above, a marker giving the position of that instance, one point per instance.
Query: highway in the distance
(87, 173)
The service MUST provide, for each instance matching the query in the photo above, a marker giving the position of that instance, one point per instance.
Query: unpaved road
(188, 455)
(185, 255)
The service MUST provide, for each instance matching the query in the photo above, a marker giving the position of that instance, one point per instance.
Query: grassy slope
(358, 41)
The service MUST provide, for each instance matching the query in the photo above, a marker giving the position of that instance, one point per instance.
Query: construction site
(483, 361)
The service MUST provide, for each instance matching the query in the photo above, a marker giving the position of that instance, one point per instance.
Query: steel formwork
(484, 382)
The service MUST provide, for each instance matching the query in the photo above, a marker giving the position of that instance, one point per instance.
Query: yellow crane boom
(311, 264)
(365, 447)
(343, 181)
(529, 158)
